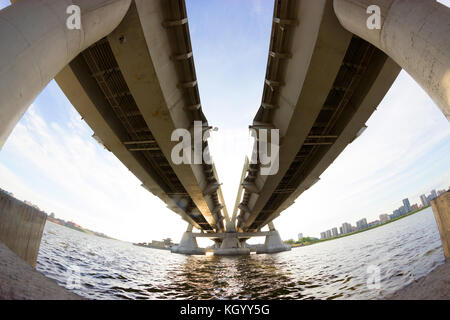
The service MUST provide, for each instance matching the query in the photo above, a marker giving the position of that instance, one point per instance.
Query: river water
(98, 268)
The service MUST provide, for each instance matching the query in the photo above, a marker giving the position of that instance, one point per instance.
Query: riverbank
(151, 246)
(434, 286)
(76, 227)
(20, 281)
(360, 231)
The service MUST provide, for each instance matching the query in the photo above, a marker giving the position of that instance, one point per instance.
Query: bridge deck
(128, 102)
(319, 115)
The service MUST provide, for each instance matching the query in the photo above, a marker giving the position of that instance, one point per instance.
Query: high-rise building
(328, 233)
(433, 194)
(424, 200)
(323, 235)
(396, 213)
(361, 224)
(384, 218)
(300, 235)
(407, 205)
(346, 228)
(403, 210)
(334, 231)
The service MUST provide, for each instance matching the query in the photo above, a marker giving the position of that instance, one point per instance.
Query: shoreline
(361, 231)
(20, 281)
(79, 229)
(434, 286)
(151, 247)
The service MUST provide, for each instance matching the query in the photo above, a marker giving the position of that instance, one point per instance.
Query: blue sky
(51, 159)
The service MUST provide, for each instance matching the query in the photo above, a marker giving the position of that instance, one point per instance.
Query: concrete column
(21, 227)
(414, 33)
(441, 209)
(230, 241)
(188, 244)
(273, 242)
(231, 246)
(36, 45)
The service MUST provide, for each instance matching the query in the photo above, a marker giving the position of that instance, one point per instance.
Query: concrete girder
(128, 48)
(250, 187)
(36, 45)
(318, 82)
(145, 60)
(385, 74)
(318, 46)
(414, 33)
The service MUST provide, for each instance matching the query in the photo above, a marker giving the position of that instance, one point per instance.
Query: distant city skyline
(384, 217)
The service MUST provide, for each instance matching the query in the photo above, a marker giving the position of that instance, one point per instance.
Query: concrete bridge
(130, 73)
(326, 74)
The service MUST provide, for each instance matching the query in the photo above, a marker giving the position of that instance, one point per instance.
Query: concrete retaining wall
(21, 227)
(441, 210)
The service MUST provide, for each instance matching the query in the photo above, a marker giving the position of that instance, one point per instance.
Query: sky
(51, 159)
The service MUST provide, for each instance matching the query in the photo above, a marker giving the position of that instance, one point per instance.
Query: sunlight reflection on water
(108, 269)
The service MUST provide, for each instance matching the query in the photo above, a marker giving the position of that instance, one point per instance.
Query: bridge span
(134, 88)
(130, 73)
(326, 74)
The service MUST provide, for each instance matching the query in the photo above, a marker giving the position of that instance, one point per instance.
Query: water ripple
(98, 268)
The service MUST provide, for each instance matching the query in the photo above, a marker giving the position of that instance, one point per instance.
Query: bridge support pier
(231, 246)
(413, 33)
(273, 243)
(231, 243)
(188, 244)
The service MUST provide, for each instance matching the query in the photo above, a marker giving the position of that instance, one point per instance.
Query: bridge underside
(102, 79)
(121, 87)
(341, 85)
(354, 79)
(131, 75)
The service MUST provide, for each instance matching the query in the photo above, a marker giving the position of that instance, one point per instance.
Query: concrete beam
(232, 225)
(36, 45)
(222, 235)
(143, 52)
(414, 33)
(222, 199)
(318, 47)
(366, 99)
